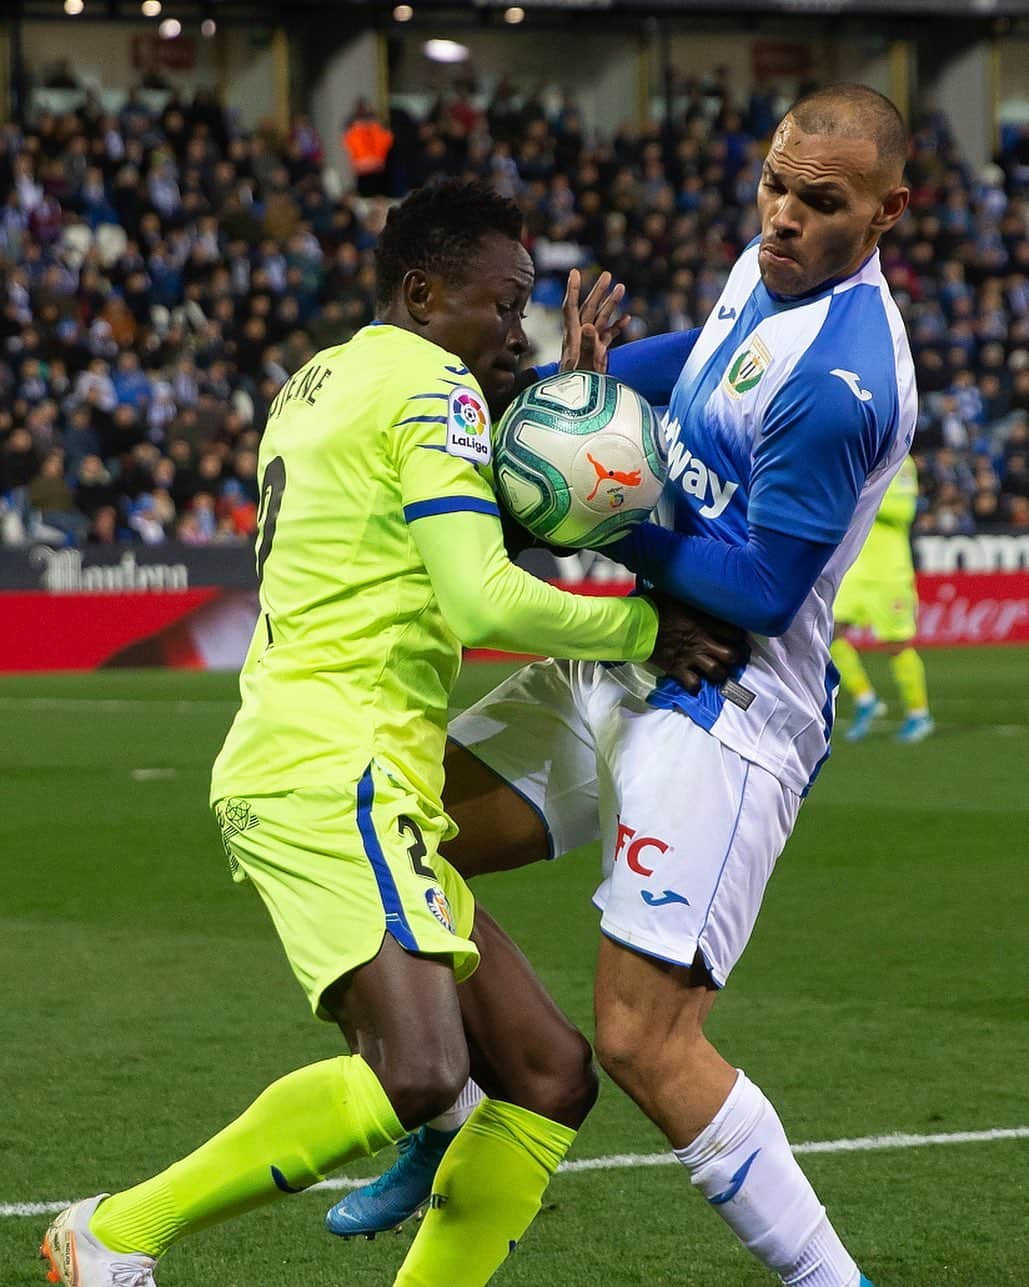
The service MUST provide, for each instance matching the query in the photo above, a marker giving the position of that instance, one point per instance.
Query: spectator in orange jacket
(368, 143)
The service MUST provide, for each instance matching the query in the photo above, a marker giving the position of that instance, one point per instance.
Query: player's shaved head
(439, 229)
(857, 112)
(831, 185)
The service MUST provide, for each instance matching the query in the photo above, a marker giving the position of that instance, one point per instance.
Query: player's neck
(830, 282)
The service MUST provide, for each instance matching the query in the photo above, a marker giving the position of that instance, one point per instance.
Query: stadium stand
(162, 272)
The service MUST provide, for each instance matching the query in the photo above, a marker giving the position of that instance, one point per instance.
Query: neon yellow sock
(909, 676)
(301, 1127)
(487, 1192)
(852, 672)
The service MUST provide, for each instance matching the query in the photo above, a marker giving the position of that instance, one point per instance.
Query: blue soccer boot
(916, 728)
(397, 1194)
(866, 712)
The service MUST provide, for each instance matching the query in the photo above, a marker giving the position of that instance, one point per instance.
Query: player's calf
(723, 1130)
(651, 1043)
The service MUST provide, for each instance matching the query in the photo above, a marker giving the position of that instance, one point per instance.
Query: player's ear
(893, 205)
(417, 290)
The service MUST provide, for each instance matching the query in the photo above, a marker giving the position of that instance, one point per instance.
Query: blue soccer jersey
(790, 415)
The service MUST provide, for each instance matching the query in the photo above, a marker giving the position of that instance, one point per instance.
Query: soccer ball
(579, 459)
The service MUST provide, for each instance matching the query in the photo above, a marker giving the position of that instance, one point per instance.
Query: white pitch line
(632, 1161)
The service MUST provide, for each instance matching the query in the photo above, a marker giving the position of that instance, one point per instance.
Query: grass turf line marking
(629, 1161)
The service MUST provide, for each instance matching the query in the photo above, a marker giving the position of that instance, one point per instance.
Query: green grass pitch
(146, 1000)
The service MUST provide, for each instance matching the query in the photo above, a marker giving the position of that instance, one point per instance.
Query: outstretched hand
(590, 327)
(691, 645)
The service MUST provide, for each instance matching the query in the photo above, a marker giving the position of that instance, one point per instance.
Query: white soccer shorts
(690, 830)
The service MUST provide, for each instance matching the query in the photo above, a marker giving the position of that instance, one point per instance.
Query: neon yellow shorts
(338, 870)
(888, 607)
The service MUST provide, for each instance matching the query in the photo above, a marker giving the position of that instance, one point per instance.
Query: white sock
(743, 1165)
(460, 1111)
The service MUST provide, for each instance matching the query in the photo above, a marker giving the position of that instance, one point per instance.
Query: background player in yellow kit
(879, 592)
(380, 553)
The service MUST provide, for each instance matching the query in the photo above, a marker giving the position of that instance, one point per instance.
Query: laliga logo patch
(440, 907)
(470, 411)
(468, 425)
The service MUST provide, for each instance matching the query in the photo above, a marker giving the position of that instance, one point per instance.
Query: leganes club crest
(747, 368)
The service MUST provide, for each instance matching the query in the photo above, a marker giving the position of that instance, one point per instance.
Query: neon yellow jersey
(351, 657)
(886, 554)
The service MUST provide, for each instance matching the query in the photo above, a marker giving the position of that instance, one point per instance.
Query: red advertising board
(209, 627)
(43, 631)
(970, 608)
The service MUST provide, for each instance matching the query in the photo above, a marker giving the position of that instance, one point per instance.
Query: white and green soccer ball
(579, 459)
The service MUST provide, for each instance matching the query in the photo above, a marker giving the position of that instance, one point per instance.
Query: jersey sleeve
(440, 442)
(821, 438)
(488, 602)
(651, 366)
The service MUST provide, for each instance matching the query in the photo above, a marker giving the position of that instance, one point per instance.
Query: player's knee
(645, 1055)
(566, 1087)
(634, 1056)
(421, 1083)
(621, 1050)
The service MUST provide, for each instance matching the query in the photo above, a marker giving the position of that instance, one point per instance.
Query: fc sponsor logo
(637, 850)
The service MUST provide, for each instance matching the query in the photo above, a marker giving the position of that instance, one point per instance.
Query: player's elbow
(773, 624)
(475, 623)
(773, 617)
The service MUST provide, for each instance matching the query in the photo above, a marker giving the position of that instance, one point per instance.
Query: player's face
(480, 319)
(824, 204)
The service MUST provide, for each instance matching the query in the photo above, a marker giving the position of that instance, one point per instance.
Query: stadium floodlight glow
(403, 13)
(514, 15)
(151, 8)
(208, 27)
(445, 51)
(73, 7)
(169, 29)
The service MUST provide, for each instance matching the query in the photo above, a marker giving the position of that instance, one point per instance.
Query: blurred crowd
(163, 272)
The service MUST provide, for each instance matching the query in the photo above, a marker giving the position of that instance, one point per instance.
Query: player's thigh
(338, 869)
(523, 1048)
(691, 833)
(401, 1013)
(893, 617)
(853, 601)
(521, 779)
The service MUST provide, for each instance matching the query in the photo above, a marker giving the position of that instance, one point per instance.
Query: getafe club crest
(747, 367)
(439, 905)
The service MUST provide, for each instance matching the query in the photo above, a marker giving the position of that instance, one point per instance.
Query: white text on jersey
(696, 478)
